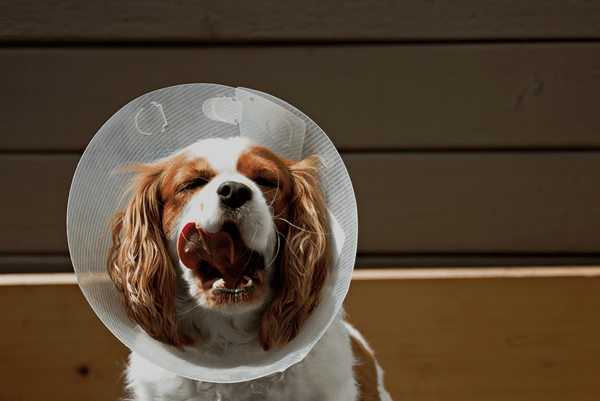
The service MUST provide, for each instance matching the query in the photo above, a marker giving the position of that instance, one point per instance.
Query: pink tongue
(218, 249)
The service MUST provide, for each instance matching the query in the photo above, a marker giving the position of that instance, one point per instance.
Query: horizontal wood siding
(488, 202)
(543, 95)
(295, 20)
(520, 339)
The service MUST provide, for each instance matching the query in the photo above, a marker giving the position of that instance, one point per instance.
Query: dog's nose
(234, 194)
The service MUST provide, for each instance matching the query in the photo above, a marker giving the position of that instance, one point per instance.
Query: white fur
(325, 374)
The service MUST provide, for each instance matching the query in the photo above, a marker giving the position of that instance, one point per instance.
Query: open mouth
(220, 260)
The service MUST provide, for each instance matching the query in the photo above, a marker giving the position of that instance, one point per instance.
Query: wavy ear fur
(138, 262)
(304, 261)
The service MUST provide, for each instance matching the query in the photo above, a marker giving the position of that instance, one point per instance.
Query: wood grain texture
(55, 348)
(295, 20)
(386, 265)
(34, 215)
(439, 202)
(477, 202)
(483, 339)
(454, 273)
(457, 339)
(35, 263)
(365, 97)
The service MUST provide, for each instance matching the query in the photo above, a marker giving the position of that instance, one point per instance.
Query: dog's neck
(215, 330)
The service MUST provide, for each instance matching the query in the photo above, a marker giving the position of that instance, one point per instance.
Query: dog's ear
(304, 261)
(138, 262)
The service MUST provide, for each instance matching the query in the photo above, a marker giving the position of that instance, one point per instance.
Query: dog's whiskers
(196, 306)
(278, 235)
(276, 192)
(300, 228)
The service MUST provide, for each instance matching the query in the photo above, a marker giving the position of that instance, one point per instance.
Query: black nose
(234, 194)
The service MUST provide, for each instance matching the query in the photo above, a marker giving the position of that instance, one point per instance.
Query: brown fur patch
(272, 175)
(365, 372)
(293, 191)
(138, 262)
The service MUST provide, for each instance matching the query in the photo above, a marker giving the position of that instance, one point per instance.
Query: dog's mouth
(220, 260)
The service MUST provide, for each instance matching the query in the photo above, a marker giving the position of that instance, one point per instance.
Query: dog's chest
(157, 384)
(326, 373)
(275, 387)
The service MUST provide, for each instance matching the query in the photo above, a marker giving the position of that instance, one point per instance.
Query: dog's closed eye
(193, 184)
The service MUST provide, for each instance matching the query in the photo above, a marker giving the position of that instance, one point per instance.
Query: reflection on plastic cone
(260, 119)
(224, 109)
(151, 120)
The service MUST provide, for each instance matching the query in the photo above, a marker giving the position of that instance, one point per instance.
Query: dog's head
(246, 230)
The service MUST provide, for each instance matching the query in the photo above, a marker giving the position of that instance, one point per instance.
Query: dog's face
(225, 203)
(244, 228)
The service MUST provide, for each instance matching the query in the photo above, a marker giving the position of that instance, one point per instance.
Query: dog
(227, 244)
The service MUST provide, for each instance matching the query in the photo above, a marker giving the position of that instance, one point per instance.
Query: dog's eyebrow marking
(151, 120)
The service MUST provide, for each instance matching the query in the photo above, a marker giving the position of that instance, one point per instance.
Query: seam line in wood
(475, 273)
(366, 274)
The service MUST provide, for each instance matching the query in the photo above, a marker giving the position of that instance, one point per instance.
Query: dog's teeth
(246, 281)
(220, 283)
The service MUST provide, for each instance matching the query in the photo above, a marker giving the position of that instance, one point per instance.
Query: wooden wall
(471, 131)
(519, 334)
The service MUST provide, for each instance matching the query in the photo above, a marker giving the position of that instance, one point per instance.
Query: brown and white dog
(225, 243)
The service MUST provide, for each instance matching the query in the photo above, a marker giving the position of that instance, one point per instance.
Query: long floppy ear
(138, 262)
(304, 262)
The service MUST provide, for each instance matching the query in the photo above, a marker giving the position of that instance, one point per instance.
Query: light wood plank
(407, 203)
(453, 339)
(364, 97)
(483, 339)
(55, 348)
(52, 279)
(37, 279)
(292, 20)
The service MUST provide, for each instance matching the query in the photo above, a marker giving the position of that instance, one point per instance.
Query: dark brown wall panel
(364, 97)
(295, 20)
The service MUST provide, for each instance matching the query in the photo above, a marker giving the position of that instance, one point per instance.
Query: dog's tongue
(219, 249)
